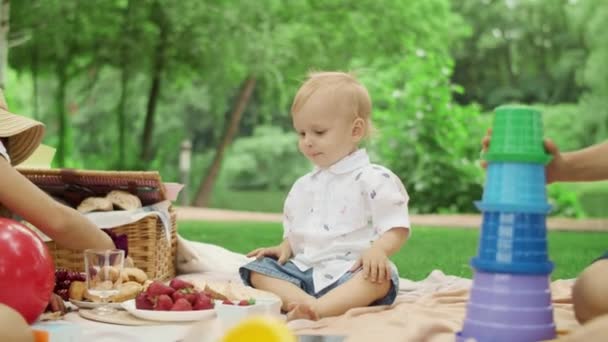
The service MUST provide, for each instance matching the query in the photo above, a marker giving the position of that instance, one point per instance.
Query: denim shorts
(303, 279)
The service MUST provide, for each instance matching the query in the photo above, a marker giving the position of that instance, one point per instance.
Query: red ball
(27, 272)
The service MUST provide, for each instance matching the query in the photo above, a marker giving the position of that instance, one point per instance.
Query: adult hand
(554, 170)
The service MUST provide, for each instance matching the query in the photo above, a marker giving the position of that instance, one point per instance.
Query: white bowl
(230, 315)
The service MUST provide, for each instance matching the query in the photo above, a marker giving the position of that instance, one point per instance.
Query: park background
(127, 84)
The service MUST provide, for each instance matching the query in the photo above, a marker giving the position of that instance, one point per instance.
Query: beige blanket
(432, 309)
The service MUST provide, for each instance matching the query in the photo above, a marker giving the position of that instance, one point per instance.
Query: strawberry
(157, 288)
(142, 302)
(189, 294)
(202, 302)
(244, 302)
(163, 303)
(227, 302)
(178, 284)
(181, 305)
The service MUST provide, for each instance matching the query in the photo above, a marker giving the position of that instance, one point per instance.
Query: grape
(60, 274)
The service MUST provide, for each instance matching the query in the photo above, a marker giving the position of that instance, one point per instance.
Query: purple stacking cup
(508, 307)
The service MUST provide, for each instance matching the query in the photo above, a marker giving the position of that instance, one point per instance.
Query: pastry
(123, 200)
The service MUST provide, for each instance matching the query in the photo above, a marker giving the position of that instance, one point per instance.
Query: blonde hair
(345, 87)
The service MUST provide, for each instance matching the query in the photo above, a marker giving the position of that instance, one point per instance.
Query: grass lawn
(448, 249)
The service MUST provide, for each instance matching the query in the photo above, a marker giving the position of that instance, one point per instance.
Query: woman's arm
(63, 224)
(589, 164)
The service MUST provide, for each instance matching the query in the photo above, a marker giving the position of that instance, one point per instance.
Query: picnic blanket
(432, 309)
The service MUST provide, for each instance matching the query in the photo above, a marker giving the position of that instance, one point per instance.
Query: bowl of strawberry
(178, 301)
(230, 312)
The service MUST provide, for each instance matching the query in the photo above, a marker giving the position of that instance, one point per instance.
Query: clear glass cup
(103, 268)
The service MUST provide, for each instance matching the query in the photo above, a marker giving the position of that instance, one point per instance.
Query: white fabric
(199, 257)
(4, 153)
(332, 215)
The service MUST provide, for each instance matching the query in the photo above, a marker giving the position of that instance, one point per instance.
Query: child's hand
(554, 169)
(282, 252)
(375, 265)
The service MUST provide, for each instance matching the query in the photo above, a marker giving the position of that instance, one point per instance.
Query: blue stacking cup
(513, 242)
(515, 186)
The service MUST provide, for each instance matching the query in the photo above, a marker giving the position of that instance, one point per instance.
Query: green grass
(448, 249)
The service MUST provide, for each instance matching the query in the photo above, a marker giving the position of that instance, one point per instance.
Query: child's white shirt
(332, 215)
(4, 153)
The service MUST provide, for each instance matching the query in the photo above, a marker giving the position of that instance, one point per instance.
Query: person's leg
(356, 292)
(288, 292)
(286, 281)
(589, 294)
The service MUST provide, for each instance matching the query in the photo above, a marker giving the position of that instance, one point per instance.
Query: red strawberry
(227, 302)
(202, 302)
(181, 305)
(157, 288)
(191, 297)
(244, 302)
(163, 303)
(187, 293)
(142, 302)
(178, 284)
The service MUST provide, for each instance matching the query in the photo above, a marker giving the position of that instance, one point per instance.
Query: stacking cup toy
(517, 136)
(507, 307)
(513, 242)
(515, 186)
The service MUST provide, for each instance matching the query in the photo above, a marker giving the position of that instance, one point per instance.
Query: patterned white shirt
(4, 153)
(332, 215)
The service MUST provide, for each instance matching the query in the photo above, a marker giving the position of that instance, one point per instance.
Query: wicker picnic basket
(148, 245)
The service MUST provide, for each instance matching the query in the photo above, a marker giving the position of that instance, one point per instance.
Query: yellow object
(41, 158)
(260, 329)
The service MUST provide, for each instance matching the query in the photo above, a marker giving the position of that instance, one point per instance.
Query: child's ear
(358, 129)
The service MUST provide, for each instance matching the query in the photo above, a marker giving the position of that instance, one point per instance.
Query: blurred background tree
(121, 83)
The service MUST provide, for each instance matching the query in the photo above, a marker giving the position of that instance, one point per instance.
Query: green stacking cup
(517, 136)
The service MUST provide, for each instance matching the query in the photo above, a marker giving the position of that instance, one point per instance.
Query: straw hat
(24, 134)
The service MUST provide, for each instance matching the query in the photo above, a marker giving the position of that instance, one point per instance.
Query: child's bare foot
(301, 311)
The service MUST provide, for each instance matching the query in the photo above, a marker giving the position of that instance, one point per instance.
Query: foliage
(253, 161)
(564, 201)
(426, 139)
(89, 77)
(519, 51)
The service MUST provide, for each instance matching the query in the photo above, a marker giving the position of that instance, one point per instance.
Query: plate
(167, 316)
(92, 305)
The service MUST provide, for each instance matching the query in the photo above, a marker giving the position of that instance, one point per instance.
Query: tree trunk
(35, 91)
(64, 133)
(204, 192)
(159, 64)
(124, 89)
(4, 27)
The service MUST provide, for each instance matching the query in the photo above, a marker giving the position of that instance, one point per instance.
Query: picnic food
(123, 200)
(179, 295)
(72, 285)
(115, 199)
(91, 204)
